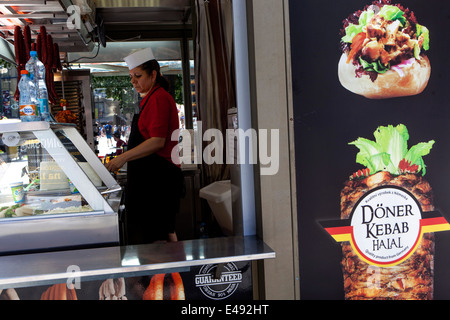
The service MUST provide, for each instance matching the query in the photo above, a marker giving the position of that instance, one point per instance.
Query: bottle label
(43, 106)
(28, 110)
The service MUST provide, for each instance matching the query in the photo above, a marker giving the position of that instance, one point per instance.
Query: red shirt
(159, 119)
(119, 145)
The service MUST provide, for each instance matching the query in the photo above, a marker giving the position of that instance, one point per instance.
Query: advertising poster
(372, 131)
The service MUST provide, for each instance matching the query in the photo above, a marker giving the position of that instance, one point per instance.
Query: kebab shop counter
(54, 191)
(59, 231)
(203, 269)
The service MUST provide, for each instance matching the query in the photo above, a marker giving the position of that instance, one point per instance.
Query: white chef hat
(139, 57)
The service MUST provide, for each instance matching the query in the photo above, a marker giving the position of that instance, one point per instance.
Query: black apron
(152, 193)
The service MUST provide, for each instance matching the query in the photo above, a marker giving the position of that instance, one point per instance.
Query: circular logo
(218, 285)
(386, 226)
(28, 110)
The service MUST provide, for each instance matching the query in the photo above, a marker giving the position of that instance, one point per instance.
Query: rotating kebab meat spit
(65, 116)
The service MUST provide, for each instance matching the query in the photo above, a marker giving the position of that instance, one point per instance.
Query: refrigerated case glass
(47, 171)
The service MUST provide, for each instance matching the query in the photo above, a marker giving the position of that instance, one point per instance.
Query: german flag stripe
(341, 234)
(341, 230)
(434, 224)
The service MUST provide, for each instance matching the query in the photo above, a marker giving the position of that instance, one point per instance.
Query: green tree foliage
(118, 88)
(179, 90)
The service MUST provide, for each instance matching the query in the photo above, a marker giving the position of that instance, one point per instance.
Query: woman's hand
(115, 164)
(146, 148)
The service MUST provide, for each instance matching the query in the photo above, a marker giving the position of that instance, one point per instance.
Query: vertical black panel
(328, 117)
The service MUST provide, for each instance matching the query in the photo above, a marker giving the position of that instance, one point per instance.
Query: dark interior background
(328, 117)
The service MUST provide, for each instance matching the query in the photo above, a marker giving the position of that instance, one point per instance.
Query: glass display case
(53, 190)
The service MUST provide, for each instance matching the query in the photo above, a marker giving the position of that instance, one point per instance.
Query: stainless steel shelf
(112, 262)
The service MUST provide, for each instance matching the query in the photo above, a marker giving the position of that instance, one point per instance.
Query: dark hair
(153, 65)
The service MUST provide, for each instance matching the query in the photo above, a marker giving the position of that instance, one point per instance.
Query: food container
(17, 192)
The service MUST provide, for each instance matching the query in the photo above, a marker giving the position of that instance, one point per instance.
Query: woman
(154, 182)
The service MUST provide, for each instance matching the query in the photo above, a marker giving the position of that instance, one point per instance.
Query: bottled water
(28, 101)
(36, 69)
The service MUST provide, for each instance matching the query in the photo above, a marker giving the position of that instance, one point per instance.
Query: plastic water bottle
(36, 69)
(14, 109)
(28, 101)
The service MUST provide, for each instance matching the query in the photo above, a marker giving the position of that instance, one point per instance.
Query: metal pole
(186, 83)
(245, 222)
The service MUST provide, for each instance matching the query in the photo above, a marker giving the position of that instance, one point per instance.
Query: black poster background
(328, 117)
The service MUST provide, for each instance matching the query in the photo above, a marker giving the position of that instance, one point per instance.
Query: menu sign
(372, 68)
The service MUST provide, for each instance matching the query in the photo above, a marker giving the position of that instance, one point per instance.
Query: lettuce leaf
(372, 156)
(416, 153)
(352, 30)
(389, 149)
(422, 30)
(392, 13)
(365, 17)
(374, 66)
(393, 141)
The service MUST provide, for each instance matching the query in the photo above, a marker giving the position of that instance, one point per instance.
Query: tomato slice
(357, 45)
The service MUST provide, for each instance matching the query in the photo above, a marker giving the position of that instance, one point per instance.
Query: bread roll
(389, 84)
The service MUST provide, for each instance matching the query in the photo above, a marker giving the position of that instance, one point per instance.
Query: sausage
(19, 49)
(17, 32)
(48, 69)
(155, 290)
(177, 289)
(71, 294)
(27, 40)
(49, 53)
(39, 46)
(23, 51)
(56, 61)
(43, 33)
(44, 295)
(59, 292)
(54, 57)
(52, 97)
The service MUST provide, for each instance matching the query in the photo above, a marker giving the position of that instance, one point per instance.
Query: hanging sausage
(20, 52)
(47, 52)
(27, 41)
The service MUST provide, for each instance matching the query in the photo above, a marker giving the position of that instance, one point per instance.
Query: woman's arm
(146, 148)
